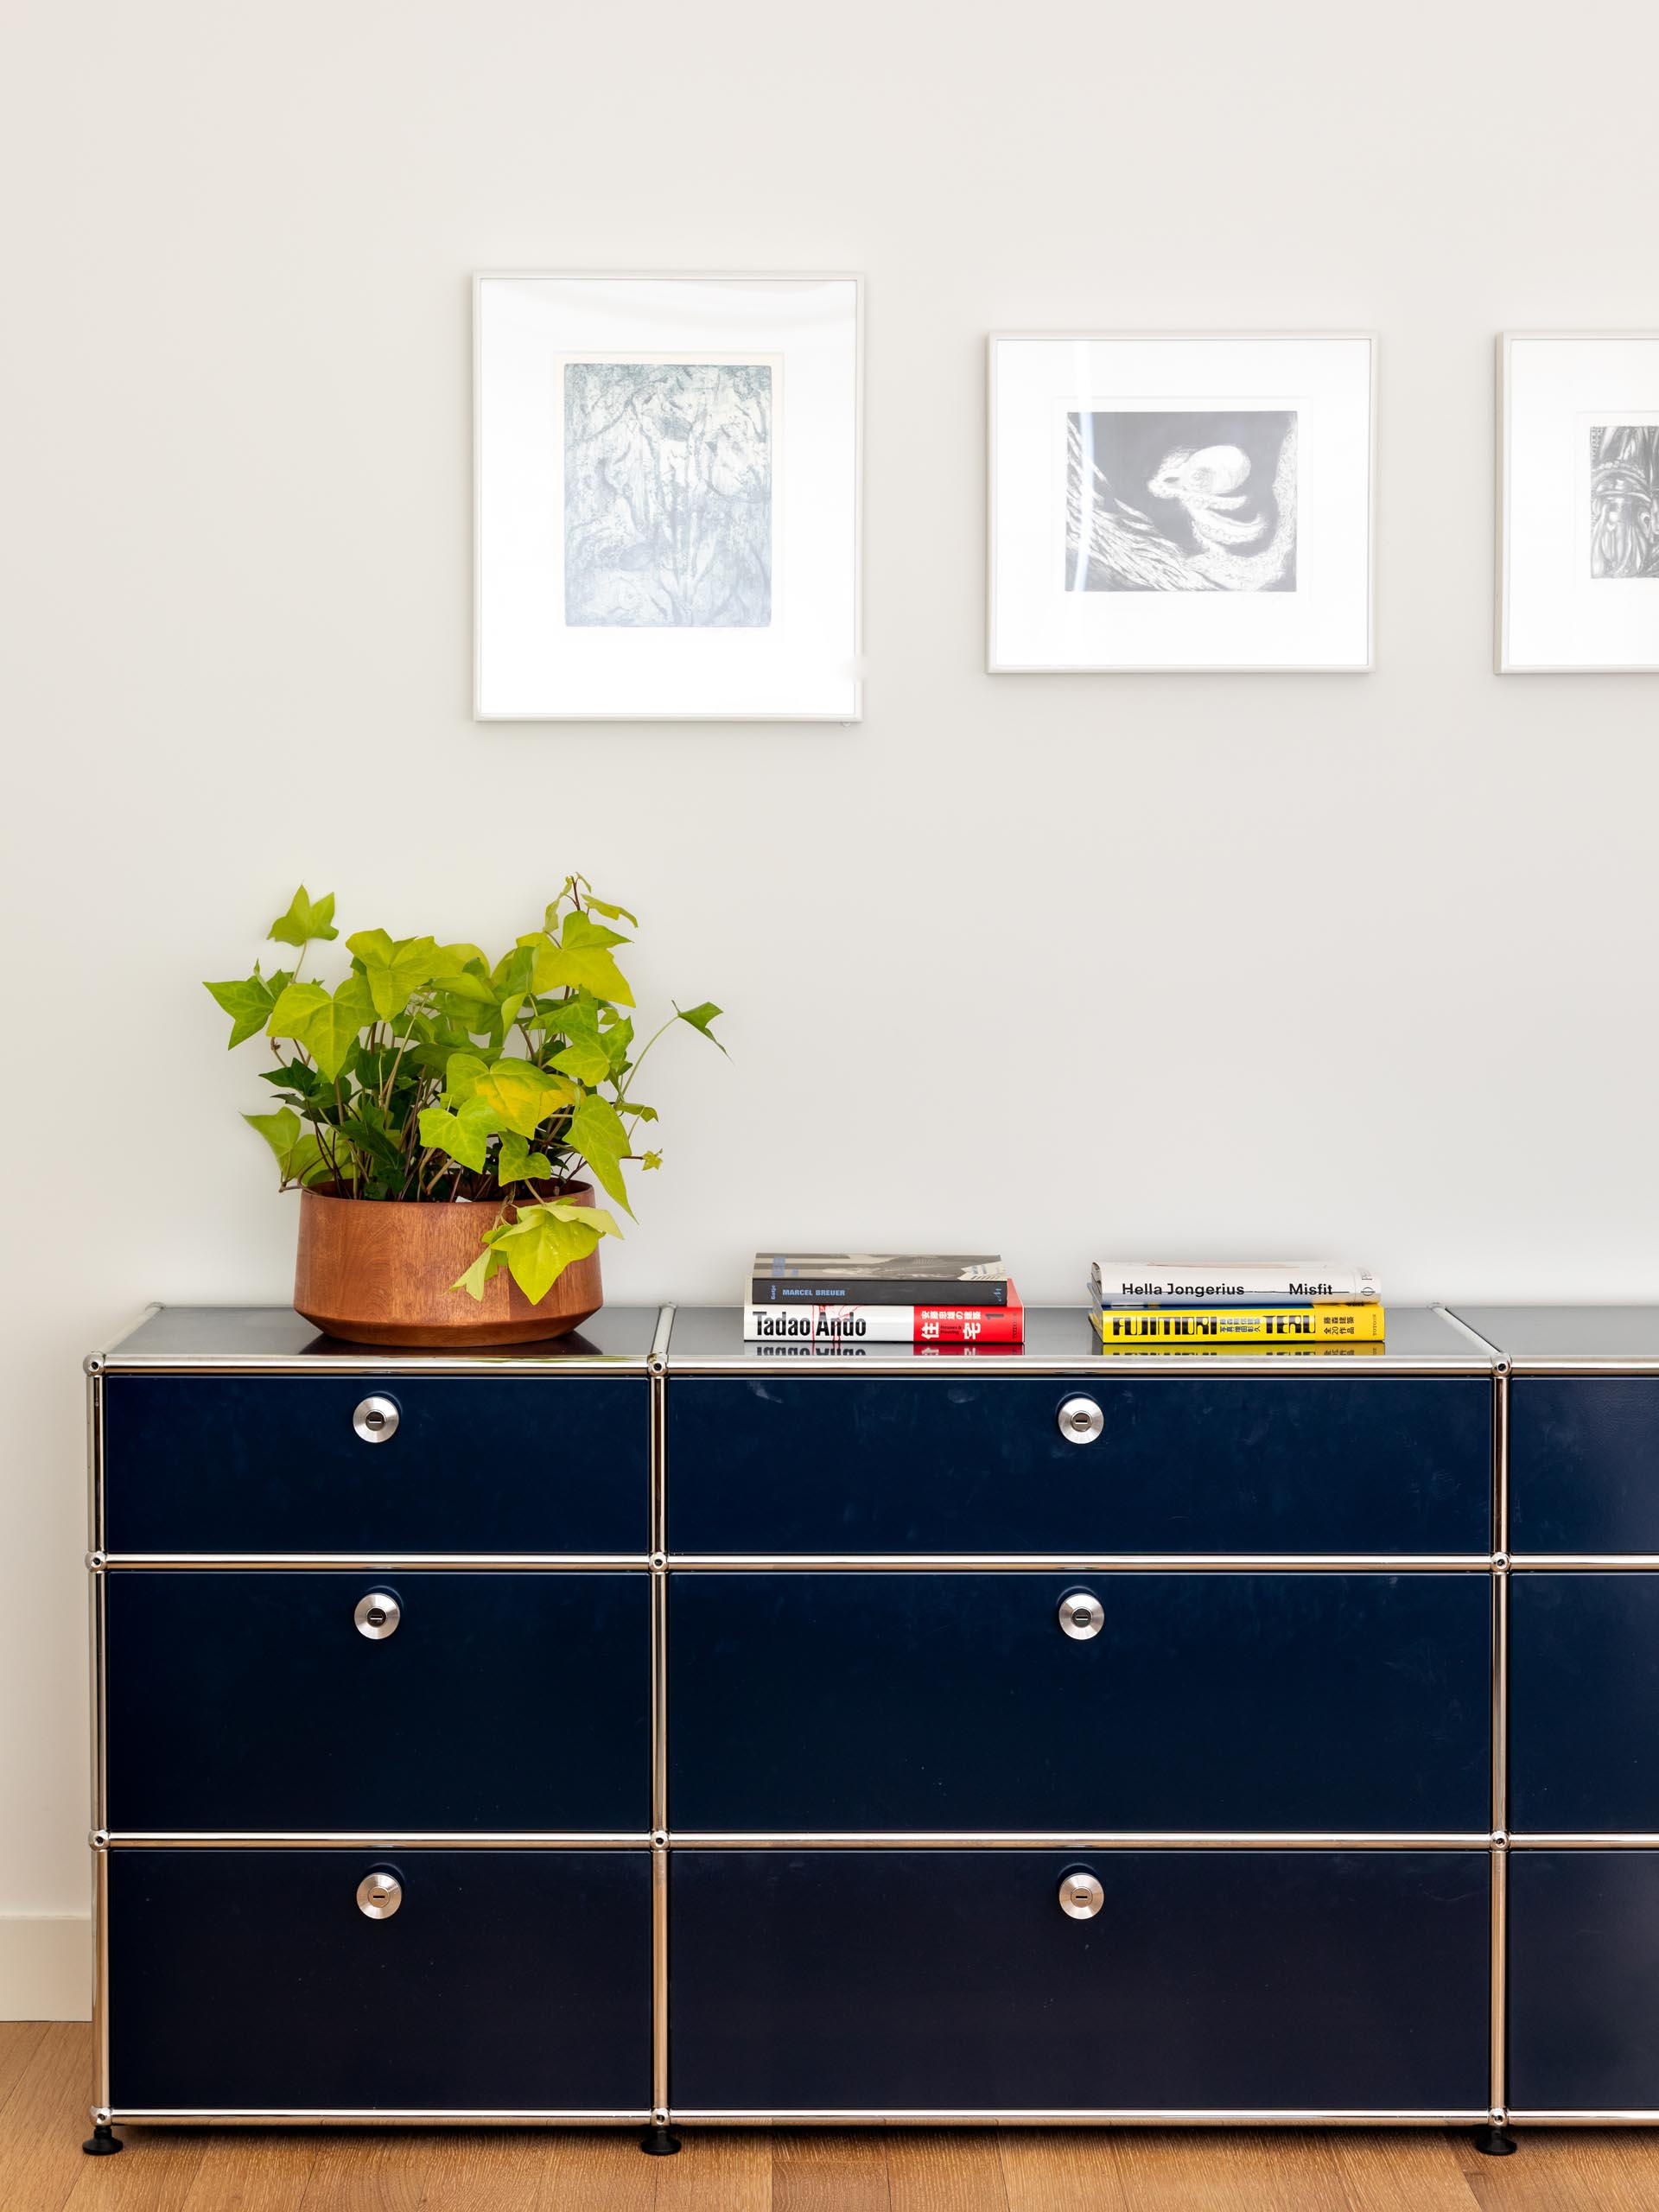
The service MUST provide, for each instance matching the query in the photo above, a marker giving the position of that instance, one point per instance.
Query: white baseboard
(46, 1966)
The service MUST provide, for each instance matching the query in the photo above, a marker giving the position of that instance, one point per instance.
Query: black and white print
(668, 495)
(1625, 500)
(1201, 500)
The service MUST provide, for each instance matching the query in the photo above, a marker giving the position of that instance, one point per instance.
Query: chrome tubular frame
(374, 1562)
(1174, 2116)
(1498, 1946)
(660, 1838)
(1076, 1563)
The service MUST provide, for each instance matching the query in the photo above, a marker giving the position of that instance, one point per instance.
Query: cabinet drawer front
(252, 1702)
(952, 1982)
(1583, 1463)
(505, 1981)
(1584, 1980)
(978, 1463)
(1584, 1703)
(232, 1463)
(847, 1702)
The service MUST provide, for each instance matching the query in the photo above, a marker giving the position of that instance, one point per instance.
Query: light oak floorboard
(250, 2170)
(827, 2169)
(45, 2087)
(719, 2170)
(945, 2169)
(1570, 2169)
(1062, 2170)
(43, 2122)
(1246, 2170)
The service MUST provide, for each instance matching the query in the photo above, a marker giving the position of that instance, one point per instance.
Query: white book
(1246, 1282)
(885, 1325)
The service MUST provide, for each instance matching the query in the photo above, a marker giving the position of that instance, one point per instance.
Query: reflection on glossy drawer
(940, 1463)
(953, 1982)
(1583, 1463)
(1584, 1980)
(255, 1701)
(506, 1980)
(1584, 1701)
(860, 1703)
(216, 1463)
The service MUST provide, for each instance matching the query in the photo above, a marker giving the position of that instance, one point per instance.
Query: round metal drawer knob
(1081, 1897)
(376, 1420)
(1081, 1420)
(378, 1615)
(379, 1895)
(1082, 1615)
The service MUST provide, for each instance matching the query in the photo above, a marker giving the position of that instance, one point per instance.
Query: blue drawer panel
(848, 1701)
(236, 1463)
(906, 1981)
(1584, 1980)
(250, 1701)
(951, 1463)
(507, 1980)
(1584, 1701)
(1583, 1463)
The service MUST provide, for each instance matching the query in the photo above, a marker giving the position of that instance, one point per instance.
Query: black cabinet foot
(1495, 2142)
(660, 2143)
(103, 2143)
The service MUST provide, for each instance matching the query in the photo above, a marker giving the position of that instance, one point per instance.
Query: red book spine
(970, 1324)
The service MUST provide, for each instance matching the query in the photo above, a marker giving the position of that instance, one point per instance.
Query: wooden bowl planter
(378, 1272)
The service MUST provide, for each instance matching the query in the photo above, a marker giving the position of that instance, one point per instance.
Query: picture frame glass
(1180, 503)
(1578, 503)
(667, 487)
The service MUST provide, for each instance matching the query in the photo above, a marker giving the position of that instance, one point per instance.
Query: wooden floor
(43, 2097)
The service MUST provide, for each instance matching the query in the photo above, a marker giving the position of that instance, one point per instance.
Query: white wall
(234, 448)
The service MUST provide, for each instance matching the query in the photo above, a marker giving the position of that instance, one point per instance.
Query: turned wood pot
(379, 1272)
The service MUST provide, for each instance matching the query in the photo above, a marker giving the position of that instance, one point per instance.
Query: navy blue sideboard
(647, 1728)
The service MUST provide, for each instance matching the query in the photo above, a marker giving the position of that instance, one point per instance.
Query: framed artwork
(1176, 503)
(667, 483)
(1578, 503)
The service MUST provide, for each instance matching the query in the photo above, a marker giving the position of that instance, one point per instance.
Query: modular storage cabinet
(375, 1667)
(647, 1728)
(1582, 1540)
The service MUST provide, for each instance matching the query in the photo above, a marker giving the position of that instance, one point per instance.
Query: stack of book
(854, 1297)
(1258, 1302)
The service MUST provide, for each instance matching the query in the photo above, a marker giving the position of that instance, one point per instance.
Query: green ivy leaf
(461, 1135)
(333, 1031)
(595, 1131)
(280, 1130)
(472, 1282)
(523, 1095)
(461, 1073)
(248, 1004)
(394, 970)
(516, 1163)
(580, 933)
(296, 1010)
(590, 1063)
(469, 990)
(700, 1019)
(303, 921)
(579, 964)
(614, 914)
(541, 1244)
(651, 1160)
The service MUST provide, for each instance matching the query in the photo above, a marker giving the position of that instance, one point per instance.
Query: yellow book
(1203, 1325)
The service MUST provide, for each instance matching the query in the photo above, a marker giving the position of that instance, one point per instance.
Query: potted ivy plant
(434, 1110)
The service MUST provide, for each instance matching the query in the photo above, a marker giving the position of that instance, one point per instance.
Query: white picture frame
(668, 493)
(1578, 535)
(1205, 582)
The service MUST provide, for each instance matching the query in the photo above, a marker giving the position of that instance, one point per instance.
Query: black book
(878, 1279)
